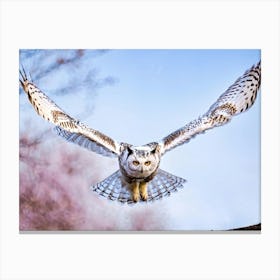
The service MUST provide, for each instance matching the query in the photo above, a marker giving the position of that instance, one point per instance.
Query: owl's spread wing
(238, 98)
(66, 126)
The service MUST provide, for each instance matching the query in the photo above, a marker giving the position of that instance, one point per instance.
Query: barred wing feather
(66, 126)
(238, 98)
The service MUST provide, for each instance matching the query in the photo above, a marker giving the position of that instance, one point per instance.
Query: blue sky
(159, 91)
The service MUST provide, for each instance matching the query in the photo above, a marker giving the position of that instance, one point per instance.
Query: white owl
(139, 177)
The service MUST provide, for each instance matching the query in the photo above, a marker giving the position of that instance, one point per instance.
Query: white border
(135, 24)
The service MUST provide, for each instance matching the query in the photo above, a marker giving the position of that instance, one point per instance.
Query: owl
(139, 178)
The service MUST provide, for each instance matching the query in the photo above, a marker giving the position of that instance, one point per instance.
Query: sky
(159, 91)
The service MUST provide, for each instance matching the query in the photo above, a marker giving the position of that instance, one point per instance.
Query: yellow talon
(135, 191)
(144, 190)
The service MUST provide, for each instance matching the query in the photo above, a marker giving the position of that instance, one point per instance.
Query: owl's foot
(144, 190)
(135, 192)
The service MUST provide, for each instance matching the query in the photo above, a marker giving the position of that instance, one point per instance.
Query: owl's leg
(144, 190)
(135, 191)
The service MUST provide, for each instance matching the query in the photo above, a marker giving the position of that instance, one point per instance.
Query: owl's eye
(147, 163)
(135, 162)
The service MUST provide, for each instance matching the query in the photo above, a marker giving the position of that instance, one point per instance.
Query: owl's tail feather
(162, 185)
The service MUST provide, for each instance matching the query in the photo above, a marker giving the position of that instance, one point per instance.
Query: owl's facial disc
(141, 161)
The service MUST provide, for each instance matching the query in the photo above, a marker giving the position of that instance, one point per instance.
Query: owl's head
(141, 161)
